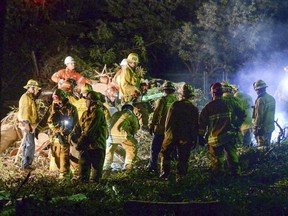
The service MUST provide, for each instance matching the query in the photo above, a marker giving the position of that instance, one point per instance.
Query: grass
(262, 190)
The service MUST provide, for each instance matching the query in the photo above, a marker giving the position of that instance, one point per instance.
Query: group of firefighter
(86, 129)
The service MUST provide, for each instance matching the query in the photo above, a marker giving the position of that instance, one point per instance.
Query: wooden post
(35, 65)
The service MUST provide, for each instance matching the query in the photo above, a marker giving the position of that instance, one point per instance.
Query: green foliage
(225, 35)
(94, 33)
(262, 190)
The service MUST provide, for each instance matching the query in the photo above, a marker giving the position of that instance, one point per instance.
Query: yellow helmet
(187, 90)
(234, 87)
(226, 86)
(32, 83)
(133, 57)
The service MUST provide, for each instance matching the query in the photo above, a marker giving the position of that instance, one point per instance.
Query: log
(99, 87)
(9, 132)
(145, 208)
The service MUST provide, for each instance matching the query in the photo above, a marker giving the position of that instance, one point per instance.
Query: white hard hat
(123, 62)
(68, 60)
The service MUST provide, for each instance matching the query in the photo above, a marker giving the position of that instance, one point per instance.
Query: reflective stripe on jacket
(64, 74)
(216, 122)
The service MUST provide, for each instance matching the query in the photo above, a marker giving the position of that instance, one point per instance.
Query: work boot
(27, 169)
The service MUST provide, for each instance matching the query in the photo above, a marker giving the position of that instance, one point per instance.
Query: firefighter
(263, 115)
(122, 127)
(60, 76)
(231, 101)
(90, 134)
(62, 119)
(246, 102)
(217, 124)
(157, 124)
(129, 82)
(28, 117)
(79, 102)
(181, 130)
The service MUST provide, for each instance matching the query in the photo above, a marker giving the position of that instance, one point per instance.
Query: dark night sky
(2, 22)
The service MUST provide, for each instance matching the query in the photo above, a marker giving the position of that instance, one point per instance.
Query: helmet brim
(28, 86)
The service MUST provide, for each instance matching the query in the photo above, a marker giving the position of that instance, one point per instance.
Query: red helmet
(216, 88)
(111, 90)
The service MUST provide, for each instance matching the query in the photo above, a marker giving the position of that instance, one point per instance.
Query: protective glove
(61, 81)
(151, 130)
(201, 140)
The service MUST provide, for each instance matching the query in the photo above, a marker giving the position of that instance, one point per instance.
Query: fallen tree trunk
(145, 208)
(9, 132)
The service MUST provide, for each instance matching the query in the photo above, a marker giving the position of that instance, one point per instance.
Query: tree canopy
(209, 37)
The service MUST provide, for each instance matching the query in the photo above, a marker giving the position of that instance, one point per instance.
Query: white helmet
(68, 60)
(123, 62)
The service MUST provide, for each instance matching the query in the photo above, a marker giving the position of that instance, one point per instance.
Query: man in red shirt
(69, 72)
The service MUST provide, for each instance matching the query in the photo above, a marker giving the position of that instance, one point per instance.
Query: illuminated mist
(268, 65)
